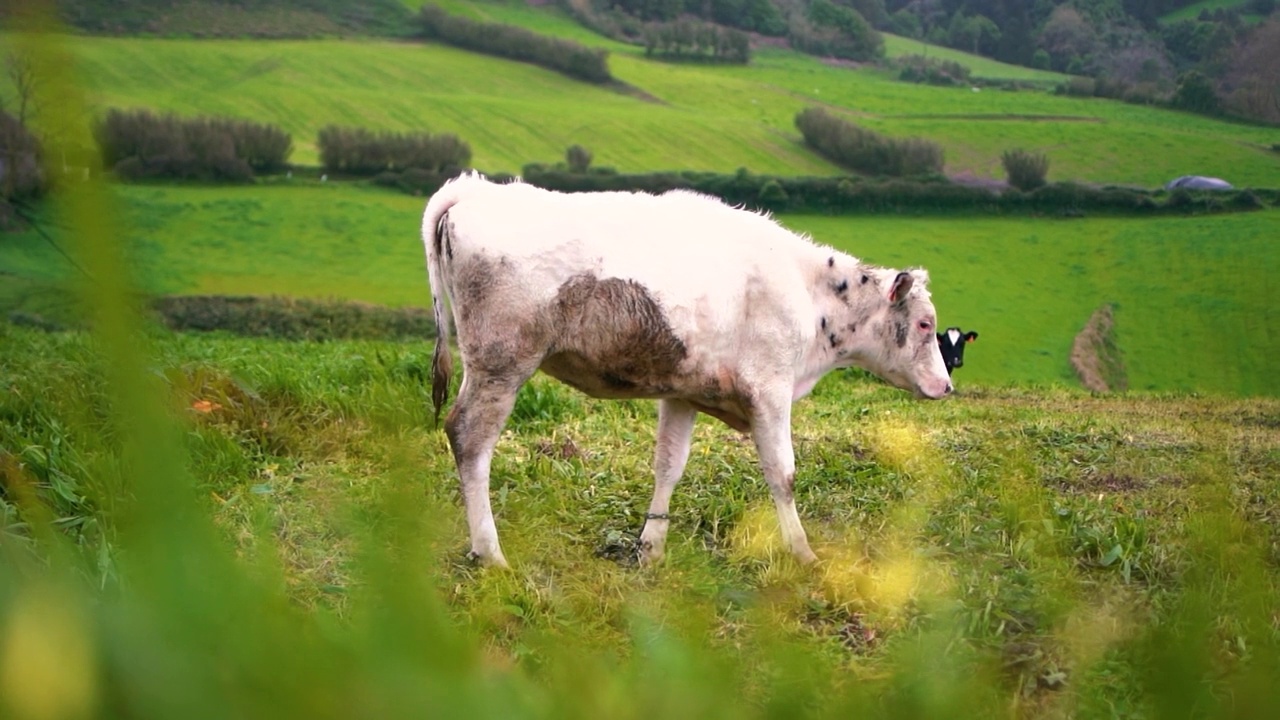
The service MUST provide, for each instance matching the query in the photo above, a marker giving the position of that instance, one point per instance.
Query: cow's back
(683, 247)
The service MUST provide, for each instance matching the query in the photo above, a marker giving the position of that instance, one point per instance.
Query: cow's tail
(435, 239)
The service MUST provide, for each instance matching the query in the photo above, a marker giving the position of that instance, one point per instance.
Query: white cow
(677, 297)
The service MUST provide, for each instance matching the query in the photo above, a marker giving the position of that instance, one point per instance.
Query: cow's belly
(626, 382)
(613, 378)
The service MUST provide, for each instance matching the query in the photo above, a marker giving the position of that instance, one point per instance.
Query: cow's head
(952, 343)
(902, 347)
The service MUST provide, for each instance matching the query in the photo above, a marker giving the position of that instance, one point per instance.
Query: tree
(1195, 93)
(1251, 84)
(578, 158)
(976, 33)
(1263, 7)
(856, 39)
(906, 24)
(21, 171)
(1025, 170)
(1067, 35)
(985, 34)
(873, 11)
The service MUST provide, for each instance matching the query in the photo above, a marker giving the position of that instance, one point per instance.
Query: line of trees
(866, 151)
(140, 144)
(358, 151)
(691, 39)
(516, 43)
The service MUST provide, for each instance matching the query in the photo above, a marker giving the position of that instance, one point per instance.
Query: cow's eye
(926, 325)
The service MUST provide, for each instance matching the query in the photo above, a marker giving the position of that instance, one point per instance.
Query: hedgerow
(563, 56)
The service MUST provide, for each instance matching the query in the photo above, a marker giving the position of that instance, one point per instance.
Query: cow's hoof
(491, 561)
(650, 554)
(806, 557)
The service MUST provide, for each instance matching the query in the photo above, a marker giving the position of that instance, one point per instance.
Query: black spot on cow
(443, 244)
(842, 288)
(831, 261)
(824, 323)
(866, 279)
(952, 343)
(835, 340)
(900, 334)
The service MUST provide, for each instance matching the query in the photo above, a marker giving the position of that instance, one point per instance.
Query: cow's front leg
(473, 426)
(675, 431)
(771, 430)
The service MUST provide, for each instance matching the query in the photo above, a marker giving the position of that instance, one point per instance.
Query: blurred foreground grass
(283, 537)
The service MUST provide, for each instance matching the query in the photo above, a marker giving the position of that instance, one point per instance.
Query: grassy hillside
(717, 118)
(1195, 296)
(290, 542)
(981, 67)
(1193, 10)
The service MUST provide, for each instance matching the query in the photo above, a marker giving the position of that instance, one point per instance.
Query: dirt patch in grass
(1095, 356)
(1119, 483)
(843, 625)
(566, 449)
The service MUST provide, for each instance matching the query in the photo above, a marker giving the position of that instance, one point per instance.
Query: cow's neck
(846, 299)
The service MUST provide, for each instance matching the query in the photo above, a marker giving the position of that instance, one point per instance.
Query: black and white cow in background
(676, 297)
(952, 343)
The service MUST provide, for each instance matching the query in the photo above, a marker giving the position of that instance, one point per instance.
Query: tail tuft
(441, 373)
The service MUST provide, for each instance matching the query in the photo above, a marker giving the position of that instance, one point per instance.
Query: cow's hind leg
(473, 425)
(675, 430)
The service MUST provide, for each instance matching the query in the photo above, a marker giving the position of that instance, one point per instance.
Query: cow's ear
(901, 286)
(970, 336)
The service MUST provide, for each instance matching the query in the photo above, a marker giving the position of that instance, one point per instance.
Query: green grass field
(1195, 296)
(1193, 10)
(265, 528)
(211, 526)
(713, 118)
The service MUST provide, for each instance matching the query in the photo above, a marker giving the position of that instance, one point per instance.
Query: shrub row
(235, 18)
(866, 151)
(516, 43)
(921, 69)
(141, 144)
(689, 39)
(292, 318)
(358, 151)
(853, 195)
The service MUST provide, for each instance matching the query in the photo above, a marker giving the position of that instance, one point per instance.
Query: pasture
(698, 117)
(1006, 552)
(197, 525)
(1194, 295)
